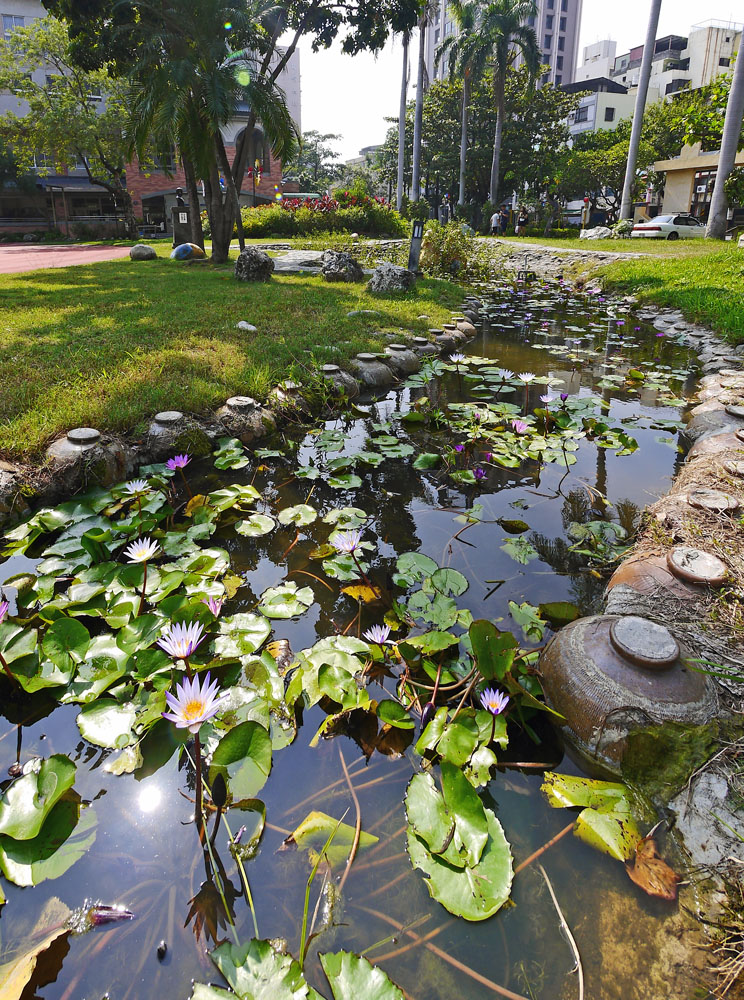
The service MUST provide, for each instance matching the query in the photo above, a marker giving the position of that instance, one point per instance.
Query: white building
(556, 25)
(606, 104)
(597, 61)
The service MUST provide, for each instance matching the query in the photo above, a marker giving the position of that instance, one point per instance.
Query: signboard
(183, 218)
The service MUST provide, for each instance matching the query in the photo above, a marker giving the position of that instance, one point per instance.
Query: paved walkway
(34, 256)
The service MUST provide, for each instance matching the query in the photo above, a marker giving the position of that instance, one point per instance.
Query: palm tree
(727, 157)
(189, 84)
(508, 36)
(467, 53)
(626, 205)
(402, 126)
(418, 116)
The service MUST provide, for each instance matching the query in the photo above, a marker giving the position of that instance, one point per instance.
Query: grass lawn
(109, 344)
(657, 248)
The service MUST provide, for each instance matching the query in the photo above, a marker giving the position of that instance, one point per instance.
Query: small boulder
(391, 278)
(248, 327)
(341, 266)
(253, 265)
(141, 251)
(598, 233)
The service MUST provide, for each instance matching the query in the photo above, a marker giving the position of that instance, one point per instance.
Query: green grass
(708, 287)
(109, 344)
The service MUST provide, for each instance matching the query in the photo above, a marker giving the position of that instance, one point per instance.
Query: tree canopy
(316, 164)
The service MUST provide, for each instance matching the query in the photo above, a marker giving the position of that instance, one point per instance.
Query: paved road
(34, 256)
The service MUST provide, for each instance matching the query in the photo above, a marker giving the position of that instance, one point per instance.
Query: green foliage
(315, 163)
(308, 219)
(448, 250)
(606, 818)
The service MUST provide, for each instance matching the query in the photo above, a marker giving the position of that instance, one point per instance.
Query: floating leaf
(286, 601)
(494, 650)
(255, 525)
(65, 837)
(528, 617)
(256, 971)
(349, 481)
(241, 634)
(106, 723)
(520, 550)
(315, 829)
(513, 525)
(606, 822)
(432, 642)
(66, 643)
(233, 496)
(413, 567)
(346, 517)
(352, 977)
(450, 582)
(363, 593)
(392, 713)
(243, 758)
(559, 612)
(16, 974)
(27, 802)
(427, 460)
(301, 515)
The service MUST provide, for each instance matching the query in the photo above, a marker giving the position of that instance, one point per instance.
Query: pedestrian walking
(520, 228)
(504, 219)
(495, 224)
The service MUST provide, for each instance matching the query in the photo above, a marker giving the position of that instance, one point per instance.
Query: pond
(521, 515)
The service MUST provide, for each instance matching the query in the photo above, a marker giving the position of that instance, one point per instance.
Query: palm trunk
(464, 137)
(217, 211)
(402, 128)
(626, 206)
(496, 160)
(419, 113)
(731, 130)
(197, 235)
(231, 189)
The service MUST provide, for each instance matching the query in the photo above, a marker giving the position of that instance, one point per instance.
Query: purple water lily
(3, 610)
(479, 473)
(520, 426)
(214, 604)
(193, 703)
(348, 541)
(181, 640)
(377, 634)
(493, 701)
(178, 462)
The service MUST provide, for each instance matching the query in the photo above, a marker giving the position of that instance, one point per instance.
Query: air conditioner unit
(701, 188)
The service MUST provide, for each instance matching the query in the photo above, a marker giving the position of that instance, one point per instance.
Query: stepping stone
(644, 642)
(713, 500)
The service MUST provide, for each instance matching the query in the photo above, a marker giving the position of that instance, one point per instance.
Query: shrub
(622, 228)
(346, 213)
(447, 251)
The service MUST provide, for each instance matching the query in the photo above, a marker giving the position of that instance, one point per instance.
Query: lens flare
(277, 193)
(228, 25)
(243, 77)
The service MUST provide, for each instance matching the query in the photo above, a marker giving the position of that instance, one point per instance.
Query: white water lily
(141, 551)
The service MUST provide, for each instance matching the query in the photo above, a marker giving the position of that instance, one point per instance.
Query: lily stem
(144, 588)
(198, 805)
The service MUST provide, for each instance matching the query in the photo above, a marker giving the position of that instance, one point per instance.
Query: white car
(669, 227)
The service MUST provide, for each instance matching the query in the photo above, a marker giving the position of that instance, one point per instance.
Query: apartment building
(70, 202)
(602, 106)
(556, 25)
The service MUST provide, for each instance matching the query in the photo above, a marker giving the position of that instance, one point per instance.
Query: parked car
(669, 227)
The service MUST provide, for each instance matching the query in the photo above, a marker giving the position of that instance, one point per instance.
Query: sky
(352, 96)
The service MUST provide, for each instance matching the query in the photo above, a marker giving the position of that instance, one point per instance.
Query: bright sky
(353, 96)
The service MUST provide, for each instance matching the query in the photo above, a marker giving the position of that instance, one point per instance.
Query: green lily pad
(315, 829)
(27, 802)
(241, 634)
(286, 601)
(243, 758)
(301, 515)
(256, 525)
(65, 837)
(66, 642)
(257, 971)
(106, 723)
(352, 977)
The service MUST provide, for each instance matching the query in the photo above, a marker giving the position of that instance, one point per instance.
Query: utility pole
(727, 158)
(626, 206)
(419, 112)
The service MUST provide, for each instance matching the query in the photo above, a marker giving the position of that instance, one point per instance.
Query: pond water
(146, 855)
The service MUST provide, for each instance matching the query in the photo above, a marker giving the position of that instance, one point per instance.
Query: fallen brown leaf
(650, 872)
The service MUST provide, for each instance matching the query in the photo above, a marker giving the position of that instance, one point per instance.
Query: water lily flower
(3, 610)
(193, 703)
(137, 486)
(660, 333)
(348, 541)
(459, 448)
(377, 634)
(519, 426)
(492, 700)
(479, 473)
(180, 640)
(620, 322)
(487, 456)
(505, 373)
(564, 397)
(526, 376)
(141, 550)
(214, 604)
(178, 462)
(457, 359)
(547, 398)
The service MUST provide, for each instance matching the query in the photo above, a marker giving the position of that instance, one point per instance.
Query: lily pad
(106, 723)
(301, 515)
(241, 634)
(352, 977)
(243, 758)
(65, 837)
(315, 829)
(286, 601)
(27, 802)
(257, 971)
(256, 525)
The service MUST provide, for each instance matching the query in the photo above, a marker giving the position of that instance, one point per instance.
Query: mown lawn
(707, 287)
(109, 344)
(657, 248)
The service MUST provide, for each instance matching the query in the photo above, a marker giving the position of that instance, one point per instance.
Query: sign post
(417, 234)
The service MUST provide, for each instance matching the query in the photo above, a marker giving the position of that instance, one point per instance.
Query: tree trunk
(419, 113)
(727, 158)
(402, 128)
(220, 218)
(232, 191)
(464, 137)
(197, 234)
(493, 191)
(554, 208)
(626, 206)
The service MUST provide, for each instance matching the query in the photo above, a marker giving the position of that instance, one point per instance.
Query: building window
(564, 5)
(558, 81)
(561, 43)
(549, 22)
(559, 62)
(550, 4)
(563, 24)
(10, 23)
(723, 61)
(582, 114)
(548, 42)
(531, 20)
(609, 114)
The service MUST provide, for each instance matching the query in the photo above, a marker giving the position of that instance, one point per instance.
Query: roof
(68, 183)
(601, 84)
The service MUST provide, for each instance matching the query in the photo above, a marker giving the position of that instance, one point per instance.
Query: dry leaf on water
(649, 871)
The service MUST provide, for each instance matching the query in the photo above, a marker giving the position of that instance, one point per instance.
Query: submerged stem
(144, 588)
(198, 805)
